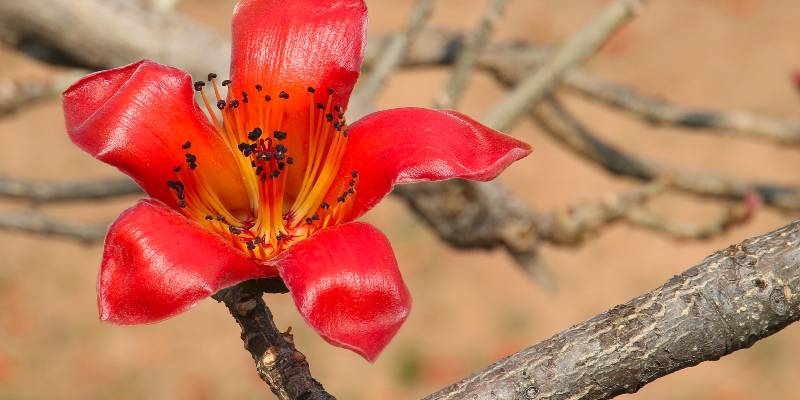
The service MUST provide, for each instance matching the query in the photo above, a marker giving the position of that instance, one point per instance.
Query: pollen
(289, 169)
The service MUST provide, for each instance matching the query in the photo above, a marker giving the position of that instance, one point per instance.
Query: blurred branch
(483, 215)
(573, 225)
(160, 5)
(15, 94)
(278, 362)
(467, 59)
(371, 86)
(511, 62)
(728, 302)
(488, 216)
(577, 49)
(732, 216)
(97, 33)
(40, 224)
(100, 33)
(577, 137)
(42, 192)
(656, 111)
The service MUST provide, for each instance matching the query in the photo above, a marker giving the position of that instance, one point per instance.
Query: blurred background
(470, 307)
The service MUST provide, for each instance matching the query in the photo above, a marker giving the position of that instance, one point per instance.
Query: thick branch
(726, 303)
(111, 33)
(278, 362)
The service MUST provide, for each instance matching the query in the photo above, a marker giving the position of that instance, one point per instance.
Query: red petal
(408, 145)
(157, 263)
(291, 46)
(345, 283)
(137, 117)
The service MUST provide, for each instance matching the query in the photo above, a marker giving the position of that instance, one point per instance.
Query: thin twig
(43, 192)
(278, 362)
(718, 225)
(572, 225)
(370, 87)
(15, 94)
(656, 111)
(512, 62)
(578, 48)
(568, 130)
(728, 302)
(40, 224)
(468, 56)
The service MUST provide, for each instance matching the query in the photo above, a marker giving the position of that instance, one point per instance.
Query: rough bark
(729, 301)
(278, 362)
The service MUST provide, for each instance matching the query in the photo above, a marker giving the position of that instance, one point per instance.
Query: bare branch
(577, 137)
(578, 48)
(573, 225)
(468, 56)
(278, 362)
(732, 216)
(372, 84)
(726, 303)
(15, 94)
(98, 33)
(657, 111)
(42, 192)
(511, 62)
(40, 224)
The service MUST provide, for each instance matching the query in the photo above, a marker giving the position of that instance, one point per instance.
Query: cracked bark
(729, 301)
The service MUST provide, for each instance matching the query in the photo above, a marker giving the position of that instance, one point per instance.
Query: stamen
(266, 161)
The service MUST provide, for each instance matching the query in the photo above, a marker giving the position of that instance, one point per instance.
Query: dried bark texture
(729, 301)
(278, 362)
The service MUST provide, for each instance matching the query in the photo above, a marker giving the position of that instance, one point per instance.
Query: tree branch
(467, 59)
(40, 224)
(99, 33)
(577, 49)
(43, 192)
(15, 94)
(726, 303)
(278, 362)
(391, 58)
(569, 131)
(657, 111)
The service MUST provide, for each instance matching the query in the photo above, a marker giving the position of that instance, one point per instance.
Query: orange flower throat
(286, 187)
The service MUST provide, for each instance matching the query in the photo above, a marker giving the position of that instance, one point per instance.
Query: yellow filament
(269, 218)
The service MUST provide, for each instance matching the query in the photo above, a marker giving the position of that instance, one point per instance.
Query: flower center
(288, 167)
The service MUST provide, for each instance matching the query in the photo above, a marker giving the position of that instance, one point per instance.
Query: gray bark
(728, 302)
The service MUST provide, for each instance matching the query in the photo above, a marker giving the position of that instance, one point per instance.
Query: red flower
(272, 186)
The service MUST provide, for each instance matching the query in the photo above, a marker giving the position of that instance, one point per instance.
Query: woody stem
(278, 362)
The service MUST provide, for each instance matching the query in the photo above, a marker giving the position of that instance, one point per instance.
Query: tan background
(470, 308)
